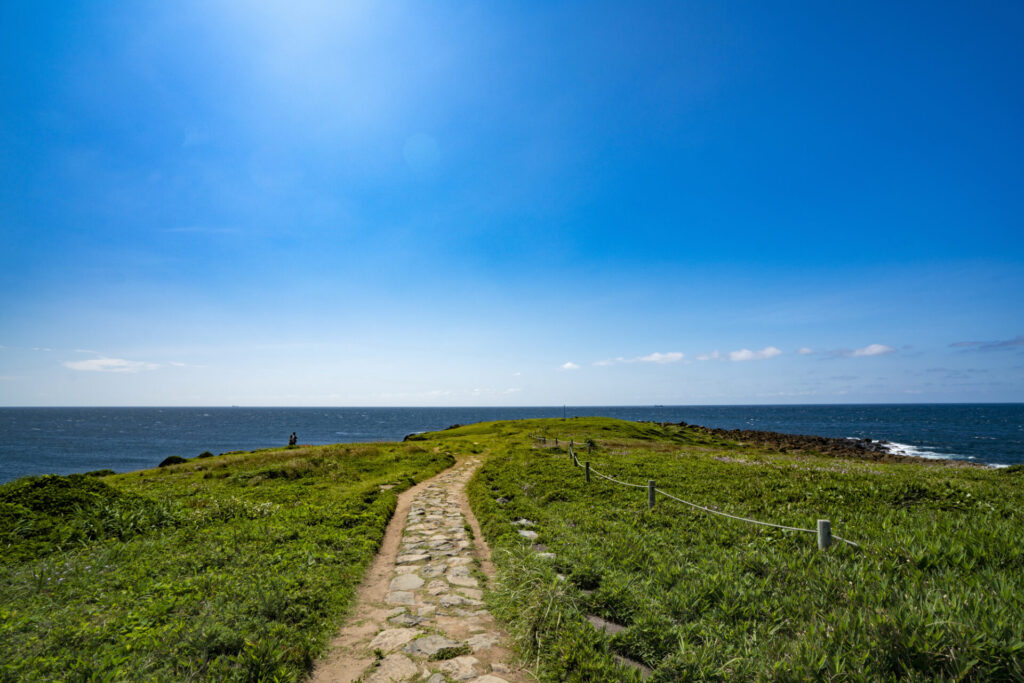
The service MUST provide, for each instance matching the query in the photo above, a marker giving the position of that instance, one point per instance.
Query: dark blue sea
(66, 440)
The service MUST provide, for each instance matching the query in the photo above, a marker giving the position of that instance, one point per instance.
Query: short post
(650, 494)
(556, 442)
(824, 534)
(587, 471)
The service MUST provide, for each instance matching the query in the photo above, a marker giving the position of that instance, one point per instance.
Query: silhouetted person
(293, 439)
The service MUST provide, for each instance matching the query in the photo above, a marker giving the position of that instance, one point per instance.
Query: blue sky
(322, 203)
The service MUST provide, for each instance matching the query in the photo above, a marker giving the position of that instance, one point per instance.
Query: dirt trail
(420, 605)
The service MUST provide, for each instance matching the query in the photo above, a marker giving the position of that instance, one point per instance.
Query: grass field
(935, 592)
(240, 566)
(232, 567)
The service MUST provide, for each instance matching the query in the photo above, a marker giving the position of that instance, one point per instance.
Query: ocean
(65, 440)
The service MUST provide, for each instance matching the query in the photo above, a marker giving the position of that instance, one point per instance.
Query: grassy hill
(933, 592)
(240, 566)
(232, 567)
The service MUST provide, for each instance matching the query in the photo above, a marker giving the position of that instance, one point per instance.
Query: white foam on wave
(896, 448)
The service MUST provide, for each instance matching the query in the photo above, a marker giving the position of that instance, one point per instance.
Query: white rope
(624, 483)
(714, 512)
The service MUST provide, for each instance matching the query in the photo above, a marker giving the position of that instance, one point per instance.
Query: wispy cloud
(804, 351)
(569, 365)
(747, 354)
(871, 350)
(1017, 341)
(656, 357)
(670, 357)
(110, 365)
(714, 355)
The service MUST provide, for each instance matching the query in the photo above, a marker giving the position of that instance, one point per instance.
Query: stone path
(437, 627)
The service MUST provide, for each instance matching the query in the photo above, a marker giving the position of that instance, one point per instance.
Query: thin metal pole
(588, 471)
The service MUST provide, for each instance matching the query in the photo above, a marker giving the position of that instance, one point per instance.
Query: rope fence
(823, 532)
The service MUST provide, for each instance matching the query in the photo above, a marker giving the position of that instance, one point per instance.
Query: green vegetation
(237, 567)
(934, 592)
(240, 566)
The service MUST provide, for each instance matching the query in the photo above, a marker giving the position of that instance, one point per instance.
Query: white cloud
(569, 366)
(656, 357)
(872, 350)
(747, 354)
(670, 357)
(714, 355)
(804, 351)
(110, 365)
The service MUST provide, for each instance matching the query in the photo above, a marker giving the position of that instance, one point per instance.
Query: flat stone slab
(406, 582)
(526, 533)
(482, 641)
(394, 667)
(467, 581)
(393, 638)
(432, 570)
(409, 559)
(471, 593)
(406, 620)
(460, 668)
(401, 598)
(487, 678)
(608, 627)
(428, 646)
(452, 600)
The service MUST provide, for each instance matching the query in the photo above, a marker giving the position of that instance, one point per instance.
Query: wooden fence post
(824, 534)
(588, 471)
(650, 494)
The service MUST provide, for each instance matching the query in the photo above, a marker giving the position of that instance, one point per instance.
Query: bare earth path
(420, 605)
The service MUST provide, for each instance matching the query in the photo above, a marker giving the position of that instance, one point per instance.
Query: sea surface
(66, 440)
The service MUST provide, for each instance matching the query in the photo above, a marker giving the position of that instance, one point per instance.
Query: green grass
(237, 567)
(241, 566)
(935, 592)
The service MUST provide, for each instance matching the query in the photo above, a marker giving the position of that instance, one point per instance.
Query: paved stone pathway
(438, 628)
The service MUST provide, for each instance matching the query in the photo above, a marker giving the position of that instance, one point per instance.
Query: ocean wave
(896, 448)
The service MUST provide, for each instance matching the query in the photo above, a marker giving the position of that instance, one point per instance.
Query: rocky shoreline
(866, 449)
